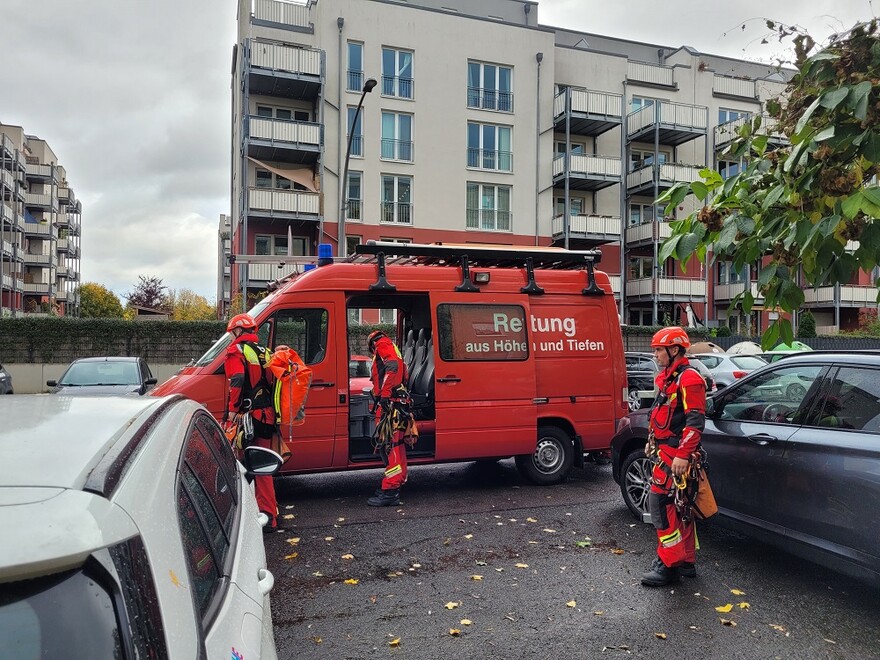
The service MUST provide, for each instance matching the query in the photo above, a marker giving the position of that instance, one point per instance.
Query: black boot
(660, 575)
(688, 569)
(385, 498)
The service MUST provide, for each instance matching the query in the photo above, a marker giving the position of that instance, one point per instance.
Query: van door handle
(762, 439)
(321, 383)
(449, 379)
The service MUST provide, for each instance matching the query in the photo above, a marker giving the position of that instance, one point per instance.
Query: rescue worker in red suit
(677, 420)
(389, 376)
(249, 392)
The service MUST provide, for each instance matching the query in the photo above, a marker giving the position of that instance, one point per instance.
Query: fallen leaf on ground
(467, 622)
(417, 566)
(724, 608)
(776, 626)
(293, 541)
(318, 574)
(451, 605)
(533, 543)
(394, 642)
(728, 622)
(351, 581)
(292, 555)
(479, 562)
(618, 551)
(328, 538)
(340, 520)
(373, 599)
(476, 577)
(522, 565)
(531, 520)
(348, 556)
(586, 543)
(289, 506)
(572, 603)
(455, 632)
(598, 612)
(737, 592)
(549, 531)
(317, 640)
(288, 516)
(469, 536)
(744, 606)
(830, 641)
(660, 635)
(500, 570)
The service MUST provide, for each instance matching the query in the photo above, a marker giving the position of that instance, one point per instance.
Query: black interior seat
(409, 350)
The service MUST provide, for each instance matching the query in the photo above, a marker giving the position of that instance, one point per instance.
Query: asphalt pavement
(479, 563)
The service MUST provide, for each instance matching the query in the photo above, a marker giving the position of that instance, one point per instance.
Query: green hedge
(62, 339)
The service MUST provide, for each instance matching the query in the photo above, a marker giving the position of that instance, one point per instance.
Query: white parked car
(129, 531)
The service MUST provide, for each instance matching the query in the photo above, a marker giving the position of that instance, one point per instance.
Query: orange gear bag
(292, 380)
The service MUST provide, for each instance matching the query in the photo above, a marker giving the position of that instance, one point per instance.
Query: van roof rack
(481, 256)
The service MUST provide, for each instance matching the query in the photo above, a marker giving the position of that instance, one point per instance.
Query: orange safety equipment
(672, 336)
(243, 321)
(292, 380)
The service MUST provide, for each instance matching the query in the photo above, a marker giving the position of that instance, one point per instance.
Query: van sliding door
(484, 376)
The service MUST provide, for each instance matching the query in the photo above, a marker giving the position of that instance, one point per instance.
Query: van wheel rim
(638, 482)
(548, 456)
(635, 402)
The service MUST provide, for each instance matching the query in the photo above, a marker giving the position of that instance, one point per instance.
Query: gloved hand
(385, 403)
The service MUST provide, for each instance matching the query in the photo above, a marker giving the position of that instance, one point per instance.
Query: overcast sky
(134, 97)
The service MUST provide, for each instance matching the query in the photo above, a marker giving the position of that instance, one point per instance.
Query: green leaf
(872, 194)
(767, 272)
(744, 224)
(700, 189)
(668, 247)
(773, 196)
(770, 337)
(759, 144)
(871, 147)
(686, 247)
(852, 204)
(748, 301)
(858, 99)
(832, 98)
(785, 331)
(675, 195)
(726, 237)
(806, 116)
(824, 134)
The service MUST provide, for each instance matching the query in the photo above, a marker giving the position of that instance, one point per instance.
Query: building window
(283, 114)
(353, 207)
(397, 134)
(489, 147)
(639, 158)
(488, 207)
(639, 102)
(490, 87)
(264, 179)
(576, 205)
(396, 240)
(351, 243)
(577, 148)
(397, 73)
(355, 129)
(727, 274)
(725, 115)
(388, 316)
(729, 168)
(278, 246)
(397, 199)
(355, 66)
(640, 268)
(640, 214)
(640, 317)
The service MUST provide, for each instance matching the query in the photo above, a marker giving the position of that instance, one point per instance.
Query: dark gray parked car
(5, 381)
(106, 376)
(798, 467)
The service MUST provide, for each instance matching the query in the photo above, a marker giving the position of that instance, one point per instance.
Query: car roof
(109, 358)
(871, 358)
(56, 441)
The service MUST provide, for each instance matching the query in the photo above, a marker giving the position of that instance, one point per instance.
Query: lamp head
(369, 84)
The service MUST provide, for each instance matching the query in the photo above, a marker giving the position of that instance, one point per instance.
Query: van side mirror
(260, 461)
(151, 381)
(710, 407)
(51, 383)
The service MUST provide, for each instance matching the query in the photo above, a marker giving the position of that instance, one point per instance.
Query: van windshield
(221, 344)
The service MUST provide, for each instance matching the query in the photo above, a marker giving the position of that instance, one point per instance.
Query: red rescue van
(511, 352)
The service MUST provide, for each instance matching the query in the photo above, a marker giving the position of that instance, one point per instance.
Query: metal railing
(730, 86)
(355, 81)
(667, 286)
(353, 210)
(645, 232)
(278, 57)
(41, 228)
(397, 212)
(62, 245)
(604, 225)
(729, 131)
(730, 290)
(7, 180)
(668, 173)
(490, 159)
(37, 259)
(397, 86)
(607, 166)
(41, 199)
(654, 74)
(862, 296)
(489, 99)
(489, 219)
(357, 145)
(285, 13)
(269, 272)
(397, 150)
(681, 116)
(283, 130)
(284, 201)
(41, 171)
(588, 102)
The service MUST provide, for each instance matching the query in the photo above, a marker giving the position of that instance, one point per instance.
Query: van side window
(480, 332)
(305, 331)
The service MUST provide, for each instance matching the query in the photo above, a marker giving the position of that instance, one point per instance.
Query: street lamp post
(340, 231)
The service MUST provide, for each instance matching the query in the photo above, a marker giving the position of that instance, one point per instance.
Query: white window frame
(485, 98)
(354, 77)
(394, 85)
(646, 158)
(357, 142)
(642, 206)
(479, 157)
(477, 218)
(399, 216)
(731, 114)
(577, 148)
(579, 202)
(725, 165)
(639, 102)
(397, 148)
(276, 241)
(644, 270)
(354, 203)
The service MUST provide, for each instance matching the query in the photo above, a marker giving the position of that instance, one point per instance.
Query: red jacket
(680, 409)
(388, 370)
(244, 377)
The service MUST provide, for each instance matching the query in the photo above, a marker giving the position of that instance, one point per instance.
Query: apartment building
(39, 229)
(477, 124)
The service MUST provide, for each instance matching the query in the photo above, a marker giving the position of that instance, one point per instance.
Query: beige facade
(484, 126)
(40, 229)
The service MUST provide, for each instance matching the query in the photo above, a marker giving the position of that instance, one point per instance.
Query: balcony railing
(278, 57)
(41, 228)
(397, 86)
(645, 232)
(6, 214)
(730, 86)
(287, 131)
(41, 200)
(6, 144)
(681, 116)
(669, 174)
(269, 272)
(605, 166)
(37, 259)
(6, 180)
(489, 219)
(489, 99)
(284, 201)
(397, 212)
(357, 145)
(850, 295)
(728, 131)
(355, 81)
(730, 290)
(585, 225)
(61, 271)
(41, 171)
(35, 287)
(397, 150)
(588, 102)
(284, 13)
(489, 159)
(353, 211)
(667, 286)
(62, 245)
(653, 74)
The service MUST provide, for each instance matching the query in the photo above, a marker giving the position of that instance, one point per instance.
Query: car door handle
(321, 383)
(265, 581)
(449, 379)
(763, 439)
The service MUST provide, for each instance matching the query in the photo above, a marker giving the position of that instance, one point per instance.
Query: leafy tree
(148, 292)
(798, 206)
(187, 305)
(97, 301)
(807, 325)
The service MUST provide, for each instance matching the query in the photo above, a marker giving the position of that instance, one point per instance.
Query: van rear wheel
(552, 460)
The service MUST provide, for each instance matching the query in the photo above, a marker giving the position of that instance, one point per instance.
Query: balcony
(44, 173)
(35, 288)
(7, 215)
(615, 285)
(850, 296)
(728, 291)
(7, 248)
(37, 259)
(490, 159)
(398, 213)
(62, 245)
(596, 229)
(399, 150)
(7, 183)
(728, 131)
(61, 296)
(282, 140)
(285, 71)
(62, 271)
(269, 272)
(398, 87)
(284, 204)
(489, 99)
(641, 181)
(666, 288)
(41, 201)
(12, 282)
(66, 196)
(39, 229)
(587, 172)
(652, 75)
(737, 88)
(7, 147)
(672, 123)
(646, 234)
(282, 15)
(589, 112)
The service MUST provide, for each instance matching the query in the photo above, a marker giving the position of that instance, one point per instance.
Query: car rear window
(748, 362)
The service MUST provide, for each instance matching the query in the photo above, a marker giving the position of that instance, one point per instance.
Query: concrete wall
(31, 378)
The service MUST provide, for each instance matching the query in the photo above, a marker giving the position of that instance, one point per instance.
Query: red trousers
(264, 489)
(676, 539)
(395, 464)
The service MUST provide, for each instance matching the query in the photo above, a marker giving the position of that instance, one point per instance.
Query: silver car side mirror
(260, 461)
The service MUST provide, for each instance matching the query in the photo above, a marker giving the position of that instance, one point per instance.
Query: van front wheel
(554, 454)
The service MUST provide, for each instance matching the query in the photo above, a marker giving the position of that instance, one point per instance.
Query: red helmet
(241, 321)
(374, 337)
(672, 336)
